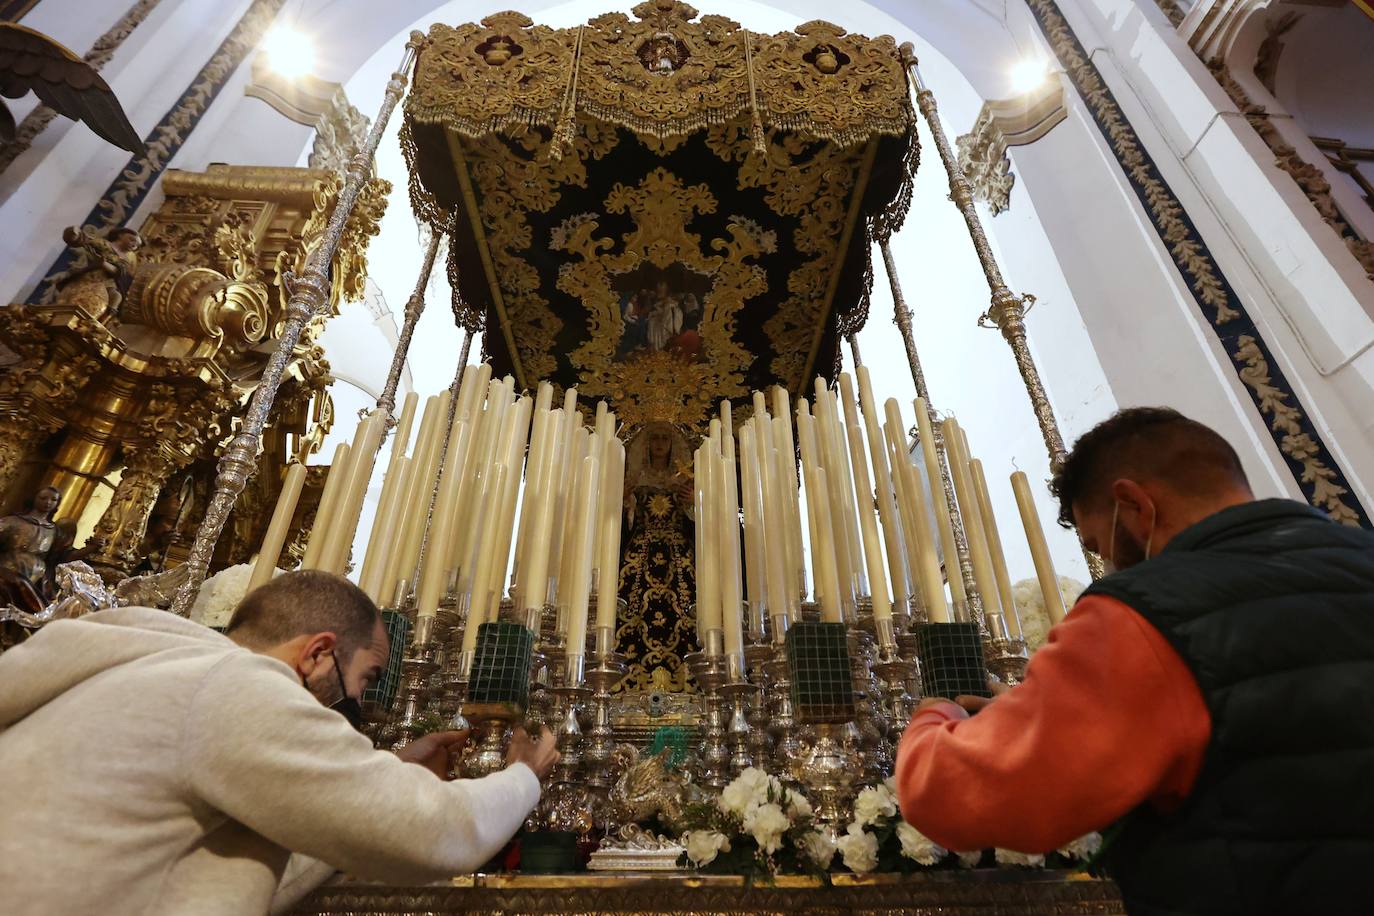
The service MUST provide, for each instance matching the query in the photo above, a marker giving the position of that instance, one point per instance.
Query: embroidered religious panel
(663, 212)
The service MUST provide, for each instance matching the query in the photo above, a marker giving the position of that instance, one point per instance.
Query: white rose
(1083, 848)
(819, 847)
(1011, 857)
(766, 824)
(748, 789)
(1030, 607)
(970, 859)
(797, 805)
(704, 845)
(873, 803)
(859, 848)
(918, 848)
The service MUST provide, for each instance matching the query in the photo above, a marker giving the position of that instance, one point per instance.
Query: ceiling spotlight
(289, 52)
(1028, 73)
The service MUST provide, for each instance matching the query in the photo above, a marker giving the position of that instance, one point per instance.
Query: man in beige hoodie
(154, 766)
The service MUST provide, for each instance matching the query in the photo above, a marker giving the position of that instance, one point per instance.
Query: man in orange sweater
(1209, 704)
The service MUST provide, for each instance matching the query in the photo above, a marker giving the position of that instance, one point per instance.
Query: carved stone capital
(1001, 124)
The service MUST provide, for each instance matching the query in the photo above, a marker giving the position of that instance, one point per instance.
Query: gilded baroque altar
(120, 390)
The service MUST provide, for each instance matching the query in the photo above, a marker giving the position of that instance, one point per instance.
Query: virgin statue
(31, 547)
(657, 575)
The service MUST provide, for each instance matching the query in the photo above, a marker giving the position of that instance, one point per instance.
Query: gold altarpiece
(120, 391)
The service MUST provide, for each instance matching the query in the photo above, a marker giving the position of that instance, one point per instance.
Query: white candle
(579, 449)
(486, 557)
(535, 584)
(400, 441)
(818, 508)
(277, 528)
(325, 509)
(973, 523)
(916, 514)
(944, 526)
(424, 475)
(512, 458)
(788, 497)
(382, 542)
(708, 562)
(1040, 550)
(612, 503)
(790, 487)
(902, 578)
(529, 499)
(433, 573)
(994, 541)
(868, 527)
(732, 620)
(750, 498)
(582, 542)
(836, 466)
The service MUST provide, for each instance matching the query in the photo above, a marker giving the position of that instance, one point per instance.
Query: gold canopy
(663, 210)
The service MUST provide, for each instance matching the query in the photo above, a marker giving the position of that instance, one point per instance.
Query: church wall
(1300, 285)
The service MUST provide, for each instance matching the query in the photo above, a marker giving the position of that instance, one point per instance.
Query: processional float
(666, 219)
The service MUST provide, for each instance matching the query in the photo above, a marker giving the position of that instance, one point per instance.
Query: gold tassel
(760, 146)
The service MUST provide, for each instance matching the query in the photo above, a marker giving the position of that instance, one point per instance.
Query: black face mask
(345, 705)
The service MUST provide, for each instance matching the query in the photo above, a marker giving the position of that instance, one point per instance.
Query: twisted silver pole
(415, 306)
(1007, 311)
(308, 294)
(454, 390)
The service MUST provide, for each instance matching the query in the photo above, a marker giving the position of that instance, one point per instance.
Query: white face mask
(1109, 559)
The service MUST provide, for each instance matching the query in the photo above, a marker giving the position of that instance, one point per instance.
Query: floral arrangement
(1030, 607)
(221, 593)
(759, 826)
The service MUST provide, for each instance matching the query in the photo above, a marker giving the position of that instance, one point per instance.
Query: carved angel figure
(32, 62)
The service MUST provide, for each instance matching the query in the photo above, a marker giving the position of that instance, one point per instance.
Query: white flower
(1014, 858)
(221, 594)
(1030, 607)
(1083, 848)
(859, 849)
(704, 845)
(766, 824)
(918, 848)
(819, 847)
(747, 790)
(797, 805)
(970, 859)
(873, 803)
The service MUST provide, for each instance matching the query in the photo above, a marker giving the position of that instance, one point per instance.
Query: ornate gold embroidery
(480, 78)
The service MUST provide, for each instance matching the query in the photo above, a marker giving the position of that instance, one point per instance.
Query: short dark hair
(304, 602)
(1156, 443)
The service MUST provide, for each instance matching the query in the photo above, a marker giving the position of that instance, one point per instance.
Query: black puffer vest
(1272, 607)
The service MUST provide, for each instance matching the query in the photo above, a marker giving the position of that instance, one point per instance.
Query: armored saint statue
(31, 547)
(657, 574)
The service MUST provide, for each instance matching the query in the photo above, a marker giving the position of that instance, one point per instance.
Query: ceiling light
(1028, 73)
(289, 52)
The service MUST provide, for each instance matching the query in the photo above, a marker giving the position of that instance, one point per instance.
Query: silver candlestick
(709, 670)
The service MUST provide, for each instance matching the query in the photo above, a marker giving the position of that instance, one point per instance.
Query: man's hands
(435, 751)
(971, 704)
(539, 756)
